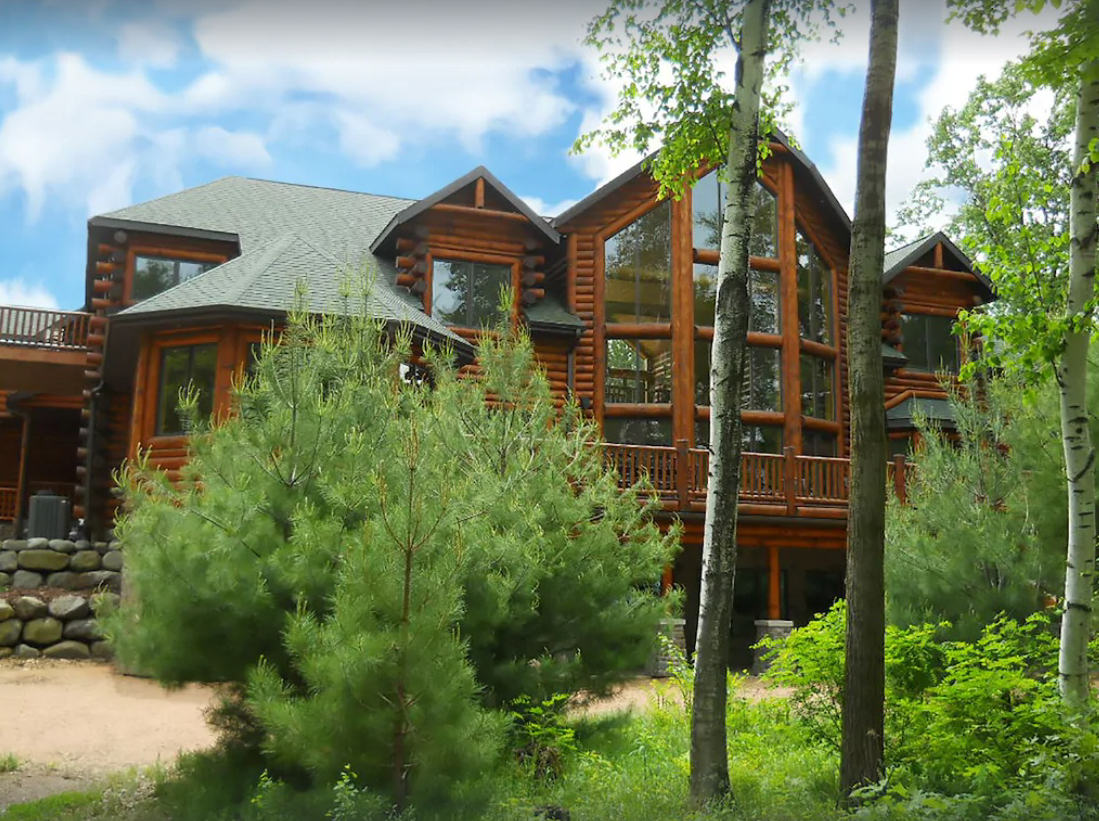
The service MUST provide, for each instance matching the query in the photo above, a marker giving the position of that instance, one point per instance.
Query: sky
(106, 103)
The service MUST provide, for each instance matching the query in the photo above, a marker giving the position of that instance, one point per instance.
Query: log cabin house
(618, 295)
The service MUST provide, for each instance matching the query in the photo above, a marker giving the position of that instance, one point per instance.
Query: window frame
(181, 254)
(455, 255)
(160, 352)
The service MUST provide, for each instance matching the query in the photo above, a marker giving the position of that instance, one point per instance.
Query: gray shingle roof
(901, 416)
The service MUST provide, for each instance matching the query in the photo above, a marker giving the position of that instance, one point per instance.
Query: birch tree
(676, 98)
(1064, 335)
(863, 717)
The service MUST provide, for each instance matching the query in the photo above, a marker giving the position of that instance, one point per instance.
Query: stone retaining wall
(50, 590)
(64, 627)
(28, 564)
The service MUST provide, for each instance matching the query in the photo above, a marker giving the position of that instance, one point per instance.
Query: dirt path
(72, 723)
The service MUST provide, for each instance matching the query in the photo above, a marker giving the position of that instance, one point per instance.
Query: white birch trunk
(1072, 381)
(709, 757)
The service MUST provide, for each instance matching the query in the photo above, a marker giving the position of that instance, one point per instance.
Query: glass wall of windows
(638, 269)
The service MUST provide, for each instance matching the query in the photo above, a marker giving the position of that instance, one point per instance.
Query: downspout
(93, 395)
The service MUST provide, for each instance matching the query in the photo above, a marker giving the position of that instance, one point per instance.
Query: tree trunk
(709, 756)
(1072, 381)
(864, 685)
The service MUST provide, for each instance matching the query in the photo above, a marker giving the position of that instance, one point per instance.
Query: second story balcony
(43, 351)
(786, 484)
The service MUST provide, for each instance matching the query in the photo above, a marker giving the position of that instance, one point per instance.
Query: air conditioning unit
(49, 517)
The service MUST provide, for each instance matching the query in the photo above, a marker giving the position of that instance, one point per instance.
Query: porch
(788, 484)
(43, 351)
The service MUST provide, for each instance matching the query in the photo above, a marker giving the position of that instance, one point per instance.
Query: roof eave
(162, 228)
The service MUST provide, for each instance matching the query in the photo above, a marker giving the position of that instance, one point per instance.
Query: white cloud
(148, 43)
(364, 141)
(18, 292)
(545, 208)
(231, 148)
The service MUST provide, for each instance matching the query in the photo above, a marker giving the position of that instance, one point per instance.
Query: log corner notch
(412, 264)
(108, 286)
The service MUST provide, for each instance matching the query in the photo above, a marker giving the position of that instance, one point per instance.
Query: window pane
(764, 316)
(467, 293)
(929, 343)
(155, 274)
(638, 371)
(756, 438)
(705, 277)
(179, 367)
(638, 431)
(817, 387)
(707, 205)
(764, 241)
(818, 443)
(814, 294)
(638, 267)
(151, 276)
(762, 378)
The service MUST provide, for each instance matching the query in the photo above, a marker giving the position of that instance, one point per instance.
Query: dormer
(457, 248)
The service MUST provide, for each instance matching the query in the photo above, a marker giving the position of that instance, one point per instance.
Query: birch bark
(709, 757)
(1071, 374)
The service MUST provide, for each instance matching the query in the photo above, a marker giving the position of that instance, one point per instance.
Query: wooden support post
(666, 580)
(479, 193)
(774, 589)
(790, 478)
(21, 479)
(682, 464)
(900, 478)
(788, 286)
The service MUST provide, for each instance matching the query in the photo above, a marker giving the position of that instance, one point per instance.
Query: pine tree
(383, 553)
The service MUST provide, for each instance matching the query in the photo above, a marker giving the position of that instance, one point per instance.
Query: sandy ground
(72, 723)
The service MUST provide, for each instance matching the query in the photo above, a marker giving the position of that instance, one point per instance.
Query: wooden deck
(7, 503)
(786, 484)
(43, 329)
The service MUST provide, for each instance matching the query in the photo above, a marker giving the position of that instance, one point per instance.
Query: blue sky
(103, 104)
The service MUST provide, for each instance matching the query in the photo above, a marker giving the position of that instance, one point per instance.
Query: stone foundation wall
(29, 564)
(56, 627)
(50, 590)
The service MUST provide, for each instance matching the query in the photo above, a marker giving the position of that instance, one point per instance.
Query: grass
(9, 763)
(127, 796)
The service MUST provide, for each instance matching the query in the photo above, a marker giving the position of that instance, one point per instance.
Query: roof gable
(503, 196)
(897, 260)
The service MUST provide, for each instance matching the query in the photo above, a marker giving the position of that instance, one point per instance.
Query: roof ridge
(327, 188)
(169, 196)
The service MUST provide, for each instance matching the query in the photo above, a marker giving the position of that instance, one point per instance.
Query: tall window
(762, 388)
(639, 371)
(708, 206)
(818, 387)
(637, 262)
(815, 304)
(929, 343)
(153, 274)
(183, 367)
(466, 293)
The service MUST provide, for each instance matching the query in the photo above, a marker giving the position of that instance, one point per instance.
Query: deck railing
(7, 503)
(39, 328)
(785, 484)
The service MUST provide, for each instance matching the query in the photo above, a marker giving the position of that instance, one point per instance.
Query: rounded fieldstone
(10, 631)
(63, 545)
(84, 561)
(102, 650)
(68, 650)
(99, 578)
(112, 560)
(15, 545)
(9, 561)
(42, 631)
(102, 547)
(24, 579)
(5, 652)
(86, 629)
(5, 579)
(84, 544)
(105, 602)
(6, 610)
(38, 543)
(63, 579)
(48, 560)
(29, 607)
(69, 607)
(25, 651)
